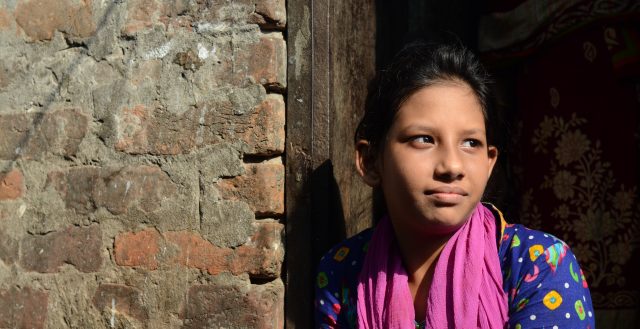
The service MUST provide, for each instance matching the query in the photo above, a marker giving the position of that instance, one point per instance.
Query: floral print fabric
(541, 276)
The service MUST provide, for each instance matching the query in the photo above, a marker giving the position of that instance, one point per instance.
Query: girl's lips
(447, 194)
(447, 198)
(447, 189)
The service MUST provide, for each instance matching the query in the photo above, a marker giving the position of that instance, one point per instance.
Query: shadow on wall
(22, 142)
(328, 218)
(319, 214)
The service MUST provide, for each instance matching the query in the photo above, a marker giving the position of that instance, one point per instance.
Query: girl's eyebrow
(416, 127)
(473, 131)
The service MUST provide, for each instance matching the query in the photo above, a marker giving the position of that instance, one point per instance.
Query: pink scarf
(466, 291)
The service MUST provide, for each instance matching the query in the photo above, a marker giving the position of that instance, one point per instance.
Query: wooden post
(331, 58)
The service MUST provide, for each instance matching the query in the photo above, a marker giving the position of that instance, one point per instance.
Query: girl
(440, 258)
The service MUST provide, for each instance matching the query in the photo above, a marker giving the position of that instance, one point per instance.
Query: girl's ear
(492, 153)
(366, 164)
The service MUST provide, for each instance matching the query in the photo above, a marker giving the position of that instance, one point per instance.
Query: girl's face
(435, 162)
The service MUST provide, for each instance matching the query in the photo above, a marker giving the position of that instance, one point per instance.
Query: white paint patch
(208, 27)
(21, 210)
(127, 187)
(159, 52)
(276, 244)
(201, 118)
(203, 53)
(18, 150)
(112, 321)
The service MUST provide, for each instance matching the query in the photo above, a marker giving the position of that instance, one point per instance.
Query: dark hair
(416, 66)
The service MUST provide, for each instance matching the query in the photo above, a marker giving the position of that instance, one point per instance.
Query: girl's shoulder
(530, 241)
(543, 281)
(519, 242)
(346, 256)
(336, 282)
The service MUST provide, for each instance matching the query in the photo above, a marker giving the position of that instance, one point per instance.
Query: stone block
(77, 246)
(23, 308)
(269, 14)
(40, 19)
(262, 187)
(266, 61)
(235, 305)
(8, 249)
(30, 135)
(87, 188)
(141, 129)
(266, 134)
(260, 257)
(122, 299)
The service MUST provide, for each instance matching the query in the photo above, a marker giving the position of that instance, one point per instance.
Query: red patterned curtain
(574, 69)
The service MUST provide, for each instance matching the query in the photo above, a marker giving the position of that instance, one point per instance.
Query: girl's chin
(444, 224)
(443, 228)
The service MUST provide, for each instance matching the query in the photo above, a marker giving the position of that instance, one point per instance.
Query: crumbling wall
(141, 174)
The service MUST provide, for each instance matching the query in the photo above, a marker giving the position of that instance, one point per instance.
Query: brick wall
(141, 173)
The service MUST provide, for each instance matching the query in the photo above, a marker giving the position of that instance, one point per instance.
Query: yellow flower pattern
(552, 300)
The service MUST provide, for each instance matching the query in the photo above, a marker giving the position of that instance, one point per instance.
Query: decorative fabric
(540, 275)
(578, 154)
(517, 29)
(575, 81)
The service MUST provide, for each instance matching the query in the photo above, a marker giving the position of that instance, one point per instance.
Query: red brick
(261, 257)
(266, 133)
(140, 16)
(233, 304)
(196, 252)
(262, 62)
(144, 14)
(77, 246)
(266, 60)
(87, 188)
(121, 298)
(270, 14)
(11, 185)
(8, 249)
(138, 249)
(39, 19)
(30, 135)
(144, 130)
(262, 187)
(23, 308)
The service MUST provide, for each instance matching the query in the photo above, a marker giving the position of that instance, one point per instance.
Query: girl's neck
(419, 256)
(419, 252)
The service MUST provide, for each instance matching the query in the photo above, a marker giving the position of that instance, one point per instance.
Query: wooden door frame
(331, 56)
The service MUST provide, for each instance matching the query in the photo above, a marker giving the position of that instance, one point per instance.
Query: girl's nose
(449, 165)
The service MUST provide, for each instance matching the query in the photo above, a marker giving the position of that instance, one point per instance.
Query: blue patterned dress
(544, 284)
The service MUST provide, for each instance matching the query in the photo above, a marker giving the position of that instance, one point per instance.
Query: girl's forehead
(440, 106)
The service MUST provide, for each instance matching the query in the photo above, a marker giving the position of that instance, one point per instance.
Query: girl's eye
(471, 143)
(423, 139)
